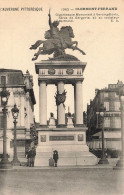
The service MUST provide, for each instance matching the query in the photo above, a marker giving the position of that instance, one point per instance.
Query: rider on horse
(56, 41)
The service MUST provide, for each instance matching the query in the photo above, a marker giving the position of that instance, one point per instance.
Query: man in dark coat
(33, 154)
(29, 157)
(55, 157)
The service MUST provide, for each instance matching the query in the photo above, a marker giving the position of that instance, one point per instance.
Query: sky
(101, 39)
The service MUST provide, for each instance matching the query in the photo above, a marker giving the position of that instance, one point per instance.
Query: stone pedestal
(70, 144)
(70, 122)
(52, 123)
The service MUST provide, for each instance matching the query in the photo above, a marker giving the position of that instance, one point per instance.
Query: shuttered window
(117, 106)
(106, 122)
(3, 80)
(106, 105)
(117, 122)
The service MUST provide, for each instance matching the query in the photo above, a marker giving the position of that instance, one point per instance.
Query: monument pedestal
(68, 139)
(70, 144)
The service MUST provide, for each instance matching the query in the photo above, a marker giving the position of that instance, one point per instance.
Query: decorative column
(4, 163)
(43, 103)
(101, 114)
(60, 99)
(120, 163)
(122, 128)
(28, 113)
(78, 104)
(120, 93)
(15, 112)
(22, 122)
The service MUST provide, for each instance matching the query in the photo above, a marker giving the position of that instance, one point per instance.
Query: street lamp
(15, 112)
(120, 93)
(4, 99)
(101, 113)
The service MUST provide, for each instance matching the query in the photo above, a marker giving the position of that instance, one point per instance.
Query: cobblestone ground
(61, 181)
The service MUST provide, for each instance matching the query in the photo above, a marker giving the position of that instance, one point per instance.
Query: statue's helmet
(55, 23)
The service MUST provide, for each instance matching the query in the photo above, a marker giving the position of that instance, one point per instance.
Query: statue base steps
(66, 158)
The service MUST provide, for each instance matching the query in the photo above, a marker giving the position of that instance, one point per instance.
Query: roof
(9, 70)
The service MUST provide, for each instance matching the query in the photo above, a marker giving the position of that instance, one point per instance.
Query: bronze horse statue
(56, 45)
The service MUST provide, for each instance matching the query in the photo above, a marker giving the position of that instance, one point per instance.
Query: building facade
(21, 91)
(112, 119)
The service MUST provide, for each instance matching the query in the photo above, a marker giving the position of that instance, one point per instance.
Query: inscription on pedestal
(61, 138)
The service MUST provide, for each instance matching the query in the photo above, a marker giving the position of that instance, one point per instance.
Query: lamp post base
(5, 164)
(103, 160)
(120, 164)
(16, 162)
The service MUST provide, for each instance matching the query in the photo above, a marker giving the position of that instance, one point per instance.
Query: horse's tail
(76, 48)
(36, 45)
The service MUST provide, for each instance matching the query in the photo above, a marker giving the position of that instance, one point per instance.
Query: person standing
(29, 157)
(55, 157)
(33, 154)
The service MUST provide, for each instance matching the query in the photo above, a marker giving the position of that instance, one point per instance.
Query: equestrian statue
(56, 41)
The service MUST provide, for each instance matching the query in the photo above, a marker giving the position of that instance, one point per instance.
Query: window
(117, 106)
(117, 122)
(105, 94)
(1, 122)
(106, 122)
(106, 105)
(3, 80)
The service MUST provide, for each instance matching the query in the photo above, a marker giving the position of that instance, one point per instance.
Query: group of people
(31, 156)
(32, 153)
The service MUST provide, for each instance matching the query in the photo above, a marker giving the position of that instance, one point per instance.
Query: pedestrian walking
(55, 157)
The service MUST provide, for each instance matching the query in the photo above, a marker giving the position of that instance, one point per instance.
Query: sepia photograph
(62, 97)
